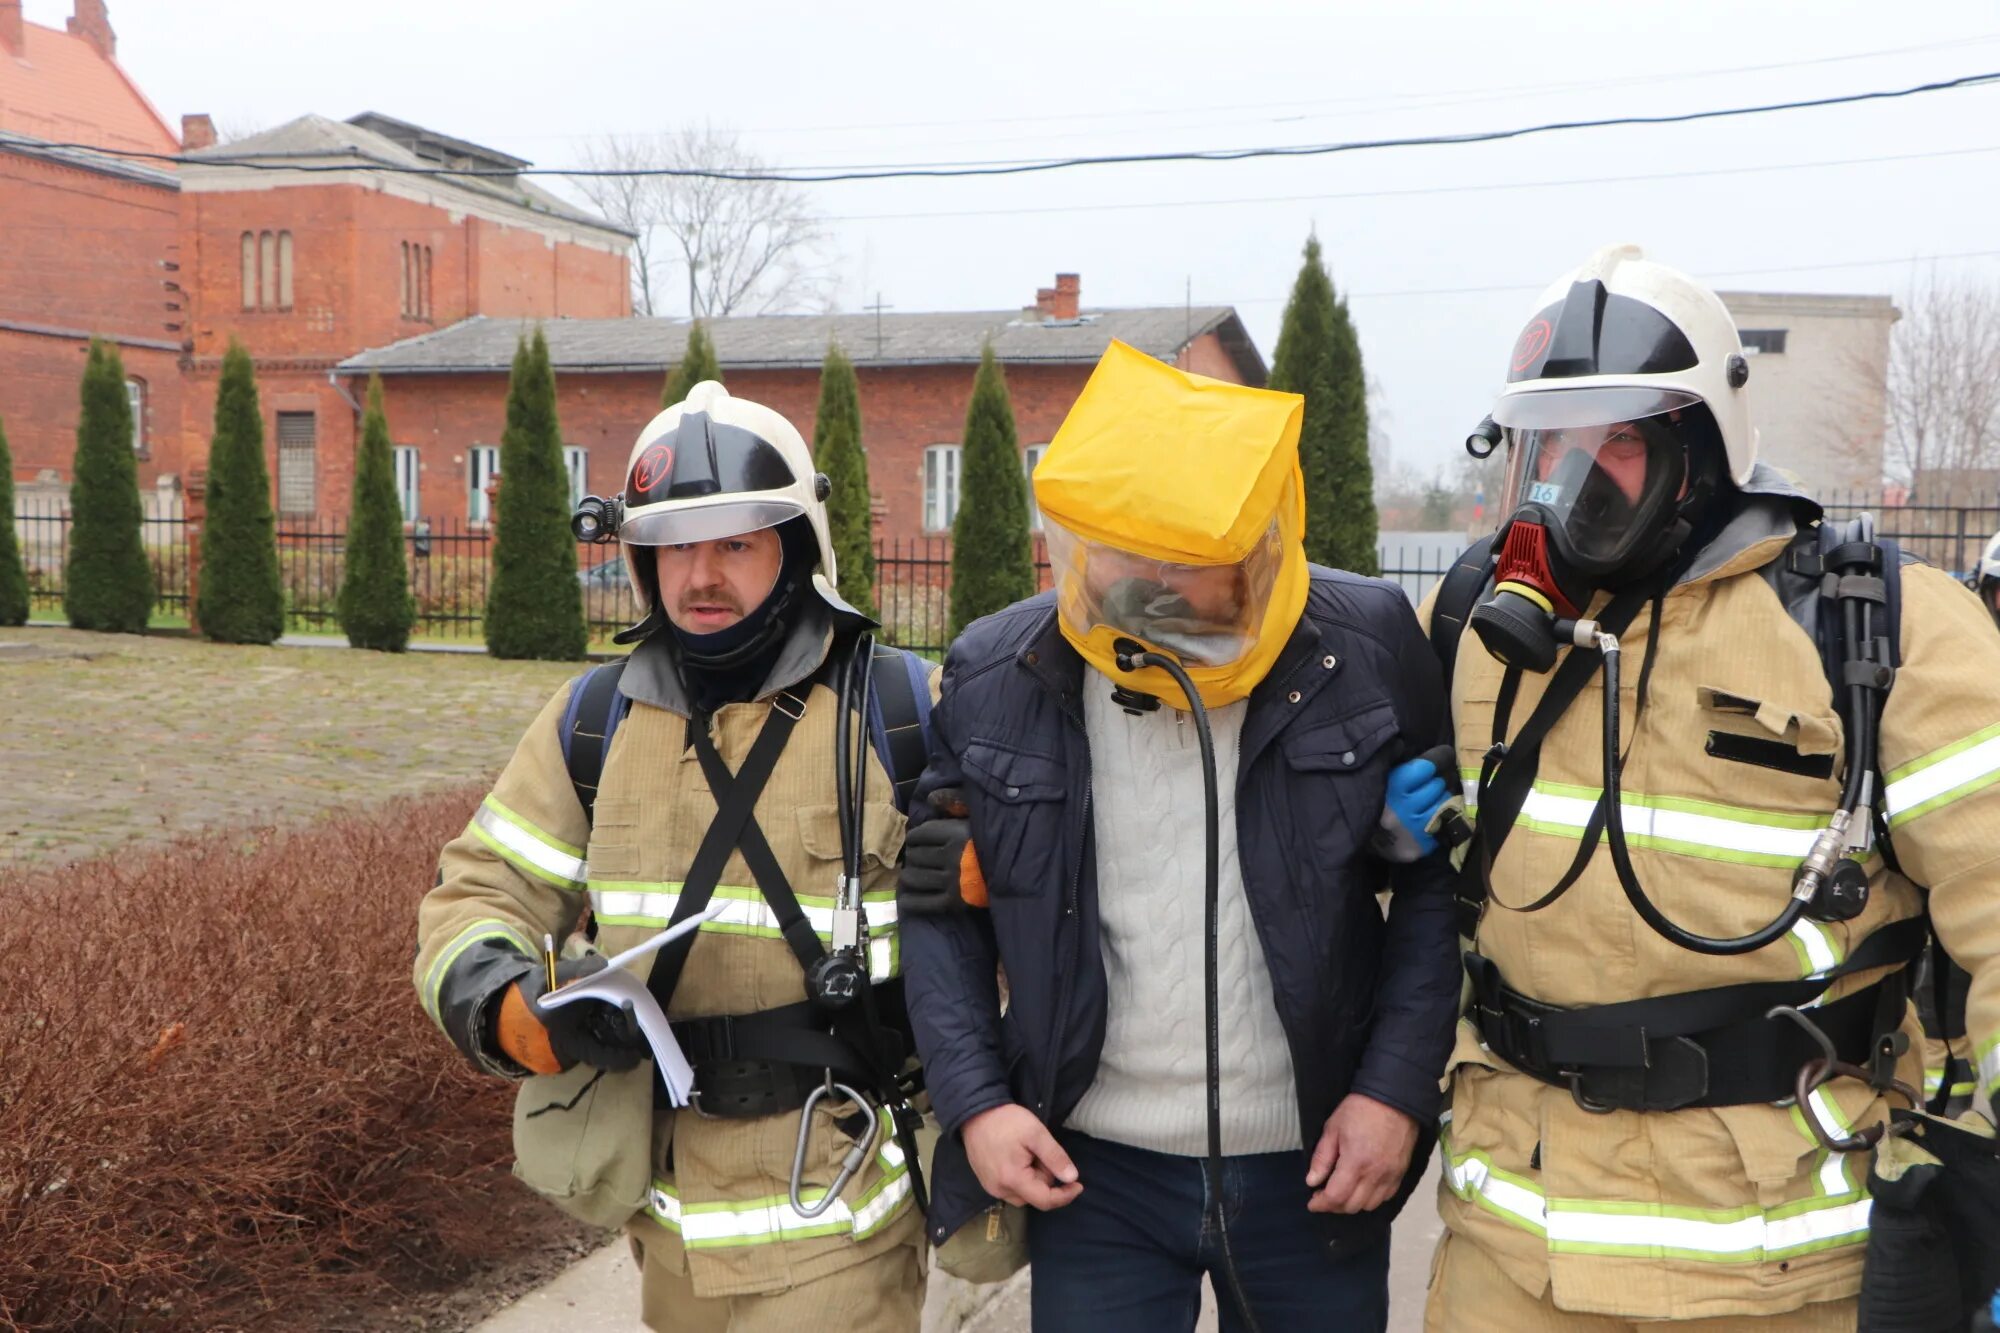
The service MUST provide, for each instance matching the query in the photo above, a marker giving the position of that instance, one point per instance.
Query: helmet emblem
(654, 466)
(1534, 341)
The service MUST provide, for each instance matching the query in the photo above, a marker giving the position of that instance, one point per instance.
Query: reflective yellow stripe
(1988, 1072)
(526, 847)
(745, 912)
(489, 929)
(1657, 1231)
(762, 1221)
(1943, 776)
(1703, 829)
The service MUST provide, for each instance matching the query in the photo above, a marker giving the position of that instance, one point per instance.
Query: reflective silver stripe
(527, 847)
(1645, 1230)
(742, 908)
(761, 1221)
(1674, 824)
(1943, 776)
(1655, 1231)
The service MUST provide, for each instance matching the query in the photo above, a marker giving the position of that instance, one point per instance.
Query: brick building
(88, 243)
(323, 250)
(307, 268)
(445, 392)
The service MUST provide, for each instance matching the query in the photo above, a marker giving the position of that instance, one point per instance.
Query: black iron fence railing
(450, 563)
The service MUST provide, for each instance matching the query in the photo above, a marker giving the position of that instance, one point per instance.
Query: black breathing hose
(1132, 656)
(1621, 860)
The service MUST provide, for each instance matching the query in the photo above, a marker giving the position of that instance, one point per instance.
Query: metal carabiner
(1816, 1073)
(849, 1164)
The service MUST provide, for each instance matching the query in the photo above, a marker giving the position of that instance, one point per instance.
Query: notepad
(617, 984)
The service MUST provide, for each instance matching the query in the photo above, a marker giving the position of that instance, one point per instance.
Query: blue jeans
(1129, 1254)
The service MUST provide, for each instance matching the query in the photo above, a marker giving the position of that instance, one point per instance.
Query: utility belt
(768, 1063)
(1712, 1047)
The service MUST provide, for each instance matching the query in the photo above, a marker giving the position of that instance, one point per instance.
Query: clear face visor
(1602, 466)
(681, 523)
(1206, 615)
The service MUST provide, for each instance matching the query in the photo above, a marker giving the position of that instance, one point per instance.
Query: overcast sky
(1405, 230)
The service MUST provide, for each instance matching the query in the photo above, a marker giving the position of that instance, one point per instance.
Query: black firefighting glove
(941, 871)
(588, 1032)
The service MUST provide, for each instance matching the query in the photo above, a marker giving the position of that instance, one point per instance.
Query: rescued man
(1063, 842)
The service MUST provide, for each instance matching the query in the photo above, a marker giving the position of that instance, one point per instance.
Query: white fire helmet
(713, 466)
(1622, 339)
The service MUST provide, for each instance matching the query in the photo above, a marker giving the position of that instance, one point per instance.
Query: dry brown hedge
(220, 1105)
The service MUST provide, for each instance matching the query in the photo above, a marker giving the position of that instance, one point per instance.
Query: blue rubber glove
(1416, 793)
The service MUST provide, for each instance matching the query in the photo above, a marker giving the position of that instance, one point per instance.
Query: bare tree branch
(741, 247)
(1942, 391)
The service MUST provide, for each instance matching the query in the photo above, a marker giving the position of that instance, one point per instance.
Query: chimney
(197, 131)
(1067, 295)
(92, 22)
(13, 39)
(1045, 302)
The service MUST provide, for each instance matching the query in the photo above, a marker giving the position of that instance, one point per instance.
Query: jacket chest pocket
(614, 840)
(1341, 769)
(1017, 803)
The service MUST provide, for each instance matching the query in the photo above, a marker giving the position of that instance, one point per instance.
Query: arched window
(249, 271)
(284, 270)
(404, 307)
(429, 311)
(267, 269)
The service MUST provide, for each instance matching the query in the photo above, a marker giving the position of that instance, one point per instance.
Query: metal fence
(450, 566)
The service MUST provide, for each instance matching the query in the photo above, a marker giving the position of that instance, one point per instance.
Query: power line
(1427, 100)
(1411, 191)
(942, 170)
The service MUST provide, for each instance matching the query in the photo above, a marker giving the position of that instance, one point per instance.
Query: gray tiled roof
(317, 137)
(143, 172)
(778, 341)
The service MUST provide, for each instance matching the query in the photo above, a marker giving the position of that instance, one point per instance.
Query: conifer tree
(1318, 355)
(375, 607)
(534, 607)
(13, 574)
(107, 581)
(992, 552)
(697, 364)
(837, 452)
(242, 596)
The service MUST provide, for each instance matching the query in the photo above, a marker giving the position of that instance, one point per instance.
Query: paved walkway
(109, 739)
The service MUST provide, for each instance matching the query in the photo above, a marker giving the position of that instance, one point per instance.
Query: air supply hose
(1132, 656)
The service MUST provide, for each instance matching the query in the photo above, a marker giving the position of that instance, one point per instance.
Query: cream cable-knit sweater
(1150, 1090)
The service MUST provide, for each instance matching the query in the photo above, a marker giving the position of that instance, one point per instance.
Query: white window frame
(135, 394)
(481, 462)
(1031, 457)
(576, 462)
(943, 479)
(409, 478)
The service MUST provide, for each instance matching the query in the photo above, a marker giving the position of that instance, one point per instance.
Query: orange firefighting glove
(941, 871)
(548, 1041)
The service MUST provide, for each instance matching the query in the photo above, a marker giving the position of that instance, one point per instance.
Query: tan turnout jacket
(529, 863)
(1733, 1210)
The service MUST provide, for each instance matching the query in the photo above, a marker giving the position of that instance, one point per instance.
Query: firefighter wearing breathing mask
(1700, 871)
(1151, 800)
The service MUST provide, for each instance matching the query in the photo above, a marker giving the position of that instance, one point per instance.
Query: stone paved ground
(110, 738)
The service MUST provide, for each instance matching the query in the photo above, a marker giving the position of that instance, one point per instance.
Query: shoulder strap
(596, 707)
(899, 718)
(1463, 582)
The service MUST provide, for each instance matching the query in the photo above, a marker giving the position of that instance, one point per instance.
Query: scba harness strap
(767, 1063)
(1697, 1047)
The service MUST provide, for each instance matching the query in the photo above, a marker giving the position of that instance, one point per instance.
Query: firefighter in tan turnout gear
(741, 760)
(1678, 912)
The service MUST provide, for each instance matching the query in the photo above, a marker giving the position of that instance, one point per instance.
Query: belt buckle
(784, 698)
(1574, 1077)
(694, 1104)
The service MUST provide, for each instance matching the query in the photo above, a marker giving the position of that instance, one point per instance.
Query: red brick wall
(1207, 356)
(903, 410)
(81, 250)
(347, 296)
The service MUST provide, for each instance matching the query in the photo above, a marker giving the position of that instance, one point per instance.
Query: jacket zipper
(1067, 962)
